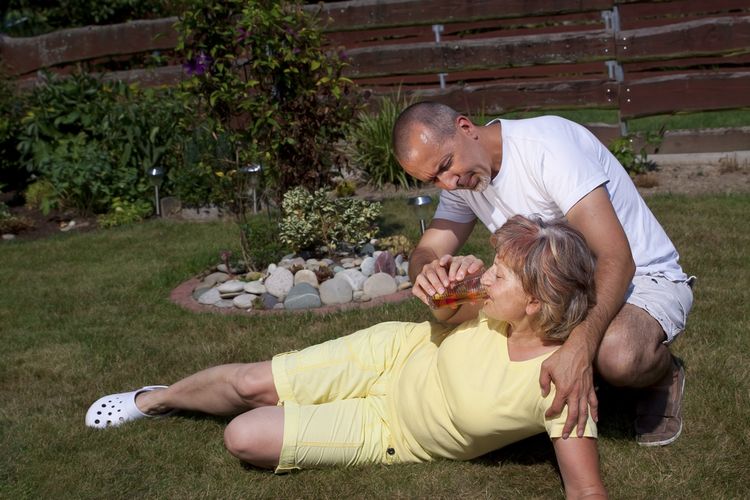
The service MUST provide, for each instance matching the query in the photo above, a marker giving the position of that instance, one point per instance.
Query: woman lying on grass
(410, 392)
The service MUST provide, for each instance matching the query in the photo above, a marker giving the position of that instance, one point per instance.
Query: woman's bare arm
(578, 459)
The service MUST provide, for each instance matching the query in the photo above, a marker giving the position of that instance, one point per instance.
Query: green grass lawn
(85, 315)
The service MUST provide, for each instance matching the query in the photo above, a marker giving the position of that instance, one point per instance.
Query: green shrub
(12, 173)
(314, 219)
(125, 212)
(636, 162)
(369, 144)
(41, 195)
(263, 244)
(270, 87)
(93, 141)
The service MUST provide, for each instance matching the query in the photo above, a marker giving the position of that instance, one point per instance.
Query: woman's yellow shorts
(336, 397)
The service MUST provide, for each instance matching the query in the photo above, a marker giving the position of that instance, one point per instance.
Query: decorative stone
(232, 286)
(271, 268)
(403, 285)
(306, 276)
(170, 206)
(360, 296)
(302, 296)
(200, 290)
(349, 265)
(336, 291)
(215, 278)
(328, 262)
(244, 301)
(279, 305)
(255, 287)
(368, 266)
(380, 284)
(224, 304)
(222, 268)
(269, 301)
(385, 263)
(337, 269)
(403, 269)
(401, 279)
(210, 297)
(289, 263)
(355, 278)
(368, 249)
(279, 282)
(253, 276)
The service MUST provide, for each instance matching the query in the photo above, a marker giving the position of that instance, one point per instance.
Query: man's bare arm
(571, 367)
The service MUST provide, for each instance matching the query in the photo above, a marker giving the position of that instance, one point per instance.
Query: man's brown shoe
(658, 419)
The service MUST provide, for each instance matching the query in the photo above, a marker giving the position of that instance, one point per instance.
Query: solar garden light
(251, 174)
(421, 206)
(156, 175)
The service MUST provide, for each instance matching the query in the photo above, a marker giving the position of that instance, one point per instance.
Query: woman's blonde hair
(554, 265)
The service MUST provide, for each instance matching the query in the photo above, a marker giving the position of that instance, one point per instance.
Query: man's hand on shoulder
(570, 369)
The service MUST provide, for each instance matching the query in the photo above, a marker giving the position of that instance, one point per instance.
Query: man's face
(457, 163)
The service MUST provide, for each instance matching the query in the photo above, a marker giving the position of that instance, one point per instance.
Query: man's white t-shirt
(549, 164)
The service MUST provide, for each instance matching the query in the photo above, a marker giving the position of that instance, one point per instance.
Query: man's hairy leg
(631, 353)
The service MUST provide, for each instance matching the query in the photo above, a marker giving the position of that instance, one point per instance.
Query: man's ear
(465, 125)
(533, 306)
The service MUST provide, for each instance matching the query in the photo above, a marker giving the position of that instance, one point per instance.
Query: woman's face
(506, 298)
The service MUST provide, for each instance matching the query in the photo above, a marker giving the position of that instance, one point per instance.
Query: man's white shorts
(668, 302)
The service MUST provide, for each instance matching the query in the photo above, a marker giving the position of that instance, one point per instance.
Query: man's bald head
(437, 121)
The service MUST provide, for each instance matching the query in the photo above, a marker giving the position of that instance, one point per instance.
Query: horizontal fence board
(529, 73)
(479, 54)
(686, 65)
(467, 30)
(504, 97)
(646, 14)
(668, 94)
(25, 55)
(692, 38)
(148, 77)
(358, 14)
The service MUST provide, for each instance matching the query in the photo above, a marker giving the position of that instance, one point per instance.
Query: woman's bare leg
(221, 390)
(256, 436)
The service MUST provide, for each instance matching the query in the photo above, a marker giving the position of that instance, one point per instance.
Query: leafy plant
(93, 141)
(369, 146)
(124, 212)
(636, 162)
(314, 219)
(262, 241)
(270, 87)
(41, 194)
(12, 173)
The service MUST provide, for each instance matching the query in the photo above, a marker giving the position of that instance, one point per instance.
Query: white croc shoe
(116, 409)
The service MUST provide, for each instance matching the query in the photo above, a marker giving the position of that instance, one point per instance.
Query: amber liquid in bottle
(461, 292)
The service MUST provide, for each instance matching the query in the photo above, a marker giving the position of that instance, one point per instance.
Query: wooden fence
(491, 56)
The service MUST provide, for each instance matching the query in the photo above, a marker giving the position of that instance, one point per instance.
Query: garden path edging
(182, 295)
